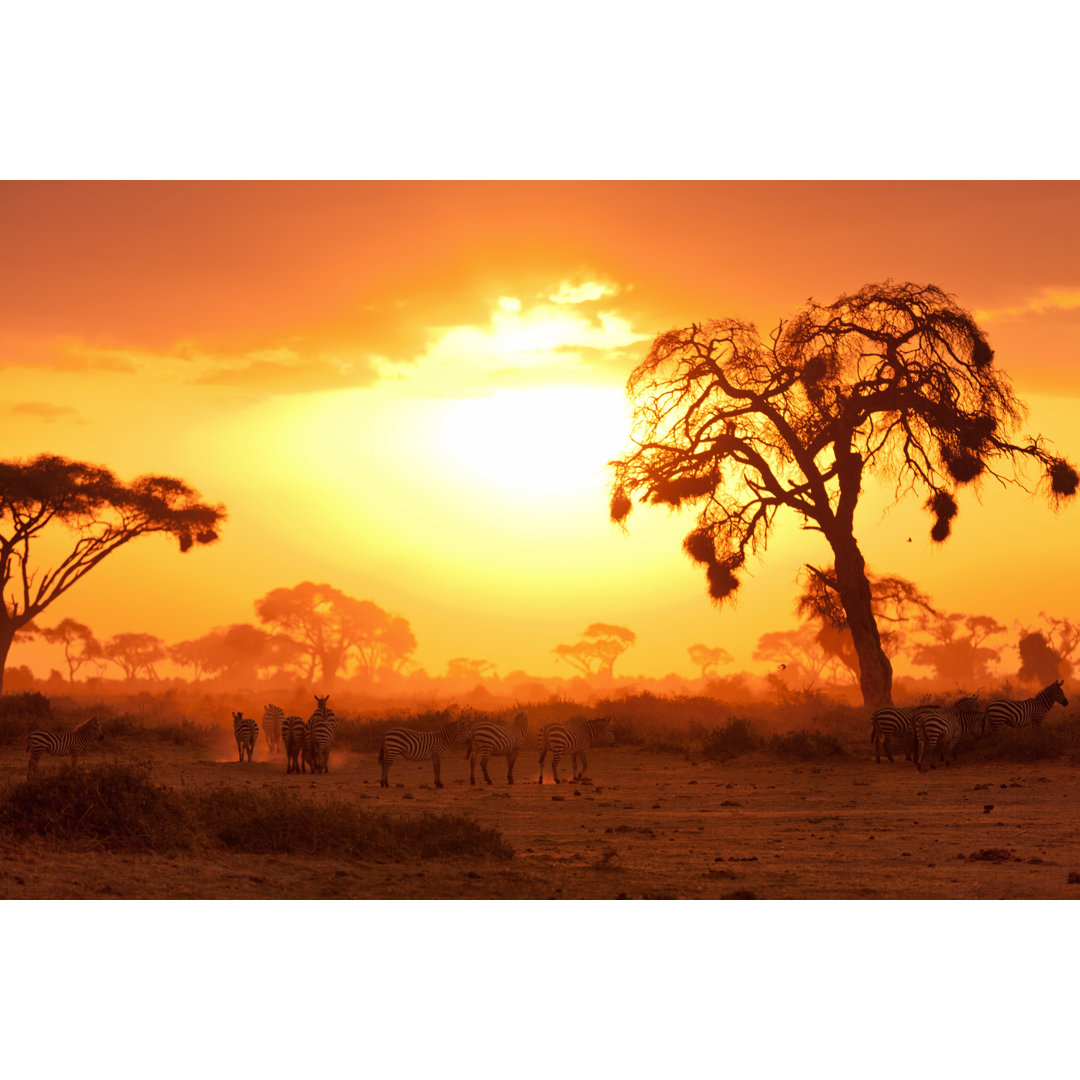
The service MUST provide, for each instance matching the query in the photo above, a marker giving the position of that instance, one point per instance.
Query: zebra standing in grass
(273, 715)
(322, 727)
(488, 739)
(939, 727)
(1005, 713)
(415, 745)
(294, 732)
(888, 723)
(71, 742)
(246, 731)
(574, 739)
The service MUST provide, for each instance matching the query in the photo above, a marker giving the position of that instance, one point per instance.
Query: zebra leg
(472, 769)
(384, 781)
(888, 748)
(543, 754)
(436, 764)
(483, 769)
(31, 765)
(555, 767)
(510, 759)
(876, 740)
(584, 765)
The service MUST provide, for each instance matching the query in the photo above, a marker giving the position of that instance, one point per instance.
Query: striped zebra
(939, 727)
(488, 739)
(294, 732)
(246, 731)
(574, 739)
(273, 715)
(889, 723)
(322, 727)
(70, 742)
(1005, 713)
(415, 745)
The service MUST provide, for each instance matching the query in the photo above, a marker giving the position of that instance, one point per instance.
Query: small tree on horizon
(708, 658)
(80, 645)
(601, 645)
(895, 380)
(135, 652)
(43, 496)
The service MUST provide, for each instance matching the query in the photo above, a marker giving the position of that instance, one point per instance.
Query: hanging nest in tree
(962, 465)
(943, 506)
(1063, 479)
(722, 579)
(673, 492)
(699, 546)
(982, 356)
(620, 505)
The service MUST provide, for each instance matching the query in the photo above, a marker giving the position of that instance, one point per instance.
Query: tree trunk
(875, 670)
(7, 635)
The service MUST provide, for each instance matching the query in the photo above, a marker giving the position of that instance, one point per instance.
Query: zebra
(415, 745)
(488, 739)
(246, 731)
(273, 715)
(1005, 713)
(888, 723)
(574, 739)
(322, 727)
(294, 733)
(71, 742)
(939, 727)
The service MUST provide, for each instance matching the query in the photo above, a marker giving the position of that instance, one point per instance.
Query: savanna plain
(691, 802)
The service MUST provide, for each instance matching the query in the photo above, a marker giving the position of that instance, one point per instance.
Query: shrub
(110, 806)
(20, 714)
(1043, 742)
(804, 746)
(736, 737)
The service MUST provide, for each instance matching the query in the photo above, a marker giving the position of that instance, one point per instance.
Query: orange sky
(409, 390)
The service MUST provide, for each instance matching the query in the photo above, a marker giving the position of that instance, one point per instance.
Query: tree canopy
(601, 645)
(895, 379)
(48, 494)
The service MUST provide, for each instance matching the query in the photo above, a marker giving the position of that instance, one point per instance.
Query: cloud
(1047, 300)
(286, 371)
(47, 412)
(580, 294)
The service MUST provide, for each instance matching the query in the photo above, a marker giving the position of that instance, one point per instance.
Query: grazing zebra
(573, 739)
(273, 715)
(322, 727)
(488, 739)
(939, 727)
(1005, 713)
(294, 732)
(889, 723)
(415, 745)
(246, 731)
(71, 742)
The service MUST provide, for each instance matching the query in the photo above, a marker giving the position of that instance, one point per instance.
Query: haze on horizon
(410, 391)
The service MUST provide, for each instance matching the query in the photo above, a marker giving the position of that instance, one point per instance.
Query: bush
(736, 737)
(111, 806)
(118, 807)
(22, 713)
(1043, 742)
(804, 746)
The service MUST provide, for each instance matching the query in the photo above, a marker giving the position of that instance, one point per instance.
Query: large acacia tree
(60, 518)
(896, 379)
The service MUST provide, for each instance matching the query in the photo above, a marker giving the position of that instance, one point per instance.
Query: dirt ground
(644, 826)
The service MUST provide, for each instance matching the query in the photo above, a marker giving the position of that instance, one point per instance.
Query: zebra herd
(937, 728)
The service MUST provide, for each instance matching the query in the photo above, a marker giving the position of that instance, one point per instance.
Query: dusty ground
(647, 826)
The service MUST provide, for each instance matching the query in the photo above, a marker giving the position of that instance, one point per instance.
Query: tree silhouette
(601, 646)
(240, 653)
(896, 603)
(708, 659)
(1039, 662)
(964, 661)
(800, 654)
(48, 495)
(80, 645)
(465, 670)
(328, 625)
(1063, 638)
(133, 653)
(896, 380)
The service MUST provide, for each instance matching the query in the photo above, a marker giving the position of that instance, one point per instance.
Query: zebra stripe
(322, 727)
(246, 731)
(888, 723)
(415, 745)
(1005, 713)
(70, 742)
(488, 739)
(273, 715)
(574, 739)
(294, 733)
(939, 727)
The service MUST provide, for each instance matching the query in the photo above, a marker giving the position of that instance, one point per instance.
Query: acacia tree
(894, 380)
(601, 645)
(242, 653)
(42, 498)
(963, 660)
(80, 645)
(133, 653)
(708, 659)
(329, 625)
